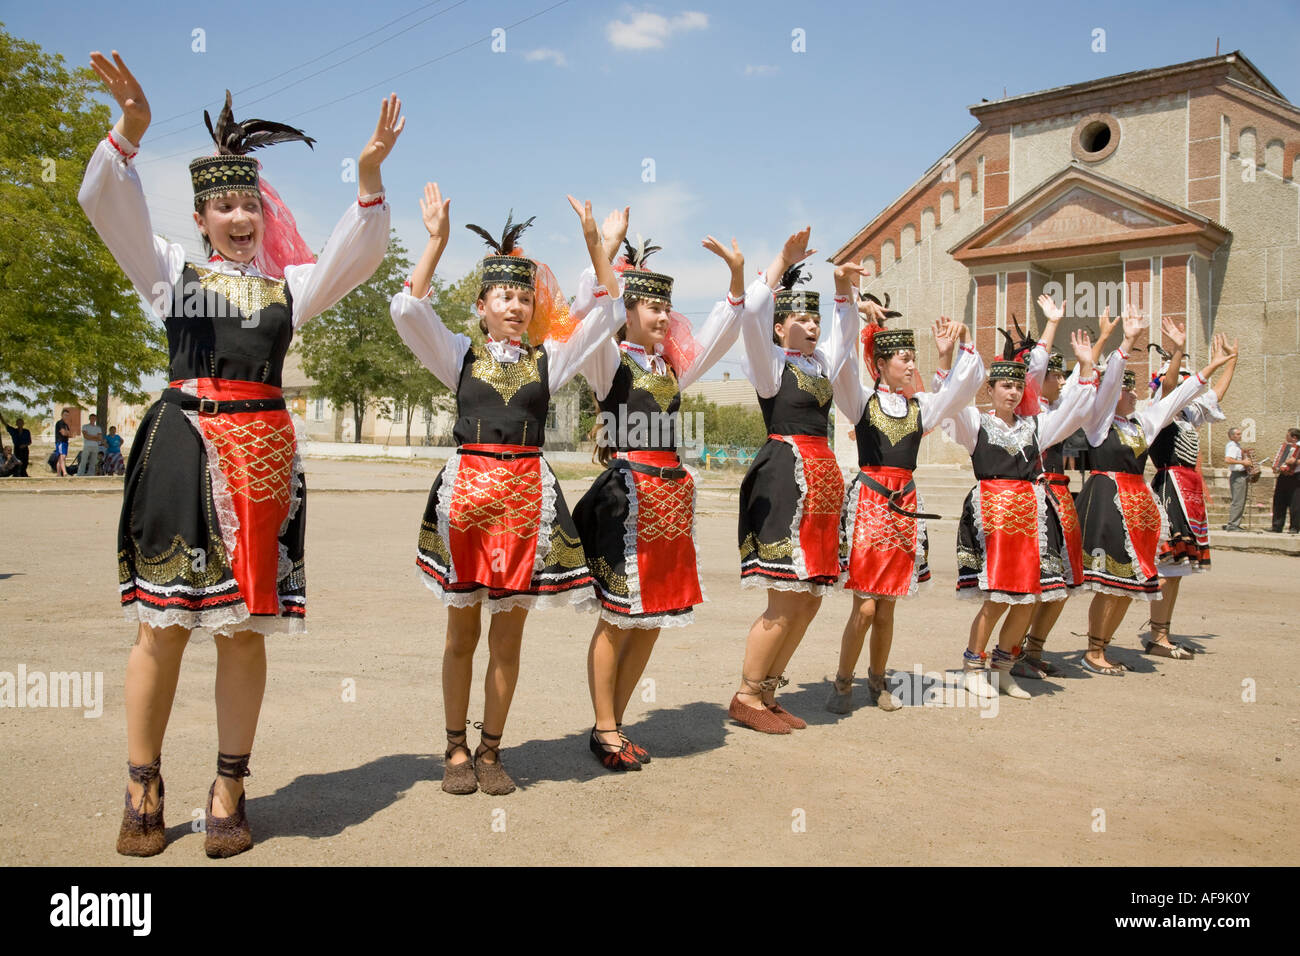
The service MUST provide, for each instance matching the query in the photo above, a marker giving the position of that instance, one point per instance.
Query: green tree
(727, 424)
(71, 327)
(353, 351)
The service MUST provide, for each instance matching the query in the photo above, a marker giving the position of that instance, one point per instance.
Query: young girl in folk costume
(1179, 487)
(496, 529)
(1123, 522)
(212, 514)
(792, 495)
(1008, 556)
(883, 531)
(637, 522)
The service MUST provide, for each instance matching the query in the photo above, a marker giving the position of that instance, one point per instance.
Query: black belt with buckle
(210, 406)
(501, 455)
(891, 497)
(664, 473)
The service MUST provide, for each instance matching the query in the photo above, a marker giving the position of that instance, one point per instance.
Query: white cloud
(752, 70)
(649, 31)
(544, 54)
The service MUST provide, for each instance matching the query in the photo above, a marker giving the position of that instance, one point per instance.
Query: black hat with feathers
(509, 266)
(641, 283)
(1017, 348)
(231, 170)
(790, 300)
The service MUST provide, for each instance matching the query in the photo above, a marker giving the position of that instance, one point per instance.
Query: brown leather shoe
(143, 834)
(492, 777)
(228, 836)
(757, 718)
(796, 723)
(458, 778)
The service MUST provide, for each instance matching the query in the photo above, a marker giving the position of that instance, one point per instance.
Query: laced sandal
(458, 778)
(492, 777)
(640, 753)
(841, 698)
(1098, 646)
(1156, 648)
(878, 688)
(143, 834)
(1002, 664)
(775, 682)
(228, 836)
(757, 718)
(975, 676)
(617, 756)
(1034, 655)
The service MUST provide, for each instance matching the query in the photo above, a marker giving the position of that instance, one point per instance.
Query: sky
(747, 120)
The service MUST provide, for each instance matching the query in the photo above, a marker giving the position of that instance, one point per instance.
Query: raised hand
(1081, 345)
(126, 90)
(946, 333)
(1174, 333)
(591, 233)
(390, 126)
(848, 275)
(1134, 323)
(735, 261)
(1049, 308)
(795, 249)
(435, 211)
(615, 230)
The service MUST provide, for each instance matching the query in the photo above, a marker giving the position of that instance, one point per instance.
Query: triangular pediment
(1078, 212)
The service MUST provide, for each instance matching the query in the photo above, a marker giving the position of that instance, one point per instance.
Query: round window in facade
(1095, 137)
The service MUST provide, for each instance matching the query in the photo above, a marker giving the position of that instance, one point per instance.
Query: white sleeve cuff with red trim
(124, 147)
(370, 199)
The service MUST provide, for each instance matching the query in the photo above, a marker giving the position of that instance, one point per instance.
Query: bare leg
(241, 682)
(882, 636)
(1045, 616)
(982, 627)
(1013, 628)
(152, 670)
(632, 660)
(463, 629)
(505, 635)
(807, 606)
(764, 642)
(1162, 610)
(861, 615)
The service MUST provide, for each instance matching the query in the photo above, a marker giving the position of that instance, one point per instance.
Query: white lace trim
(849, 521)
(221, 499)
(581, 599)
(1120, 592)
(631, 570)
(1005, 597)
(445, 494)
(1128, 539)
(549, 492)
(796, 548)
(695, 528)
(1067, 569)
(1012, 439)
(654, 621)
(977, 508)
(755, 581)
(284, 566)
(920, 561)
(224, 622)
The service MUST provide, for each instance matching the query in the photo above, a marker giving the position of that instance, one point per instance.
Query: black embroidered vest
(1002, 452)
(801, 406)
(1177, 444)
(502, 403)
(228, 326)
(884, 440)
(1120, 453)
(644, 407)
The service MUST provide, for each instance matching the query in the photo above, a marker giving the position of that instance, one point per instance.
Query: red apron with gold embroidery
(255, 453)
(665, 549)
(1137, 502)
(822, 504)
(882, 555)
(1009, 516)
(1070, 529)
(495, 515)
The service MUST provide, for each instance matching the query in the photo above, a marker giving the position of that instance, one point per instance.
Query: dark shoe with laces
(143, 834)
(492, 777)
(640, 753)
(617, 757)
(458, 778)
(228, 836)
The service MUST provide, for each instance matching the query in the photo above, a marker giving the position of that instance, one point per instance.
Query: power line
(269, 79)
(381, 83)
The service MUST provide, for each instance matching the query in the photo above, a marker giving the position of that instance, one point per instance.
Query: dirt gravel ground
(1179, 763)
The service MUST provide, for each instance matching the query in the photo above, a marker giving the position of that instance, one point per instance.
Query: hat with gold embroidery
(639, 282)
(790, 300)
(509, 267)
(232, 170)
(1012, 371)
(1056, 362)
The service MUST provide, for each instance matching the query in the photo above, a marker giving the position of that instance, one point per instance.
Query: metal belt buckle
(208, 406)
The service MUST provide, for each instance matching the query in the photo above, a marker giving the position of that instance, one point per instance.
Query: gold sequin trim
(1117, 569)
(565, 551)
(818, 386)
(431, 543)
(967, 558)
(178, 562)
(662, 388)
(767, 552)
(505, 377)
(895, 429)
(247, 293)
(610, 580)
(1009, 511)
(1136, 443)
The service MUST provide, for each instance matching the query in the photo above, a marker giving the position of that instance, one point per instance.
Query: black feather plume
(794, 275)
(240, 139)
(509, 235)
(1016, 347)
(1159, 351)
(889, 313)
(638, 254)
